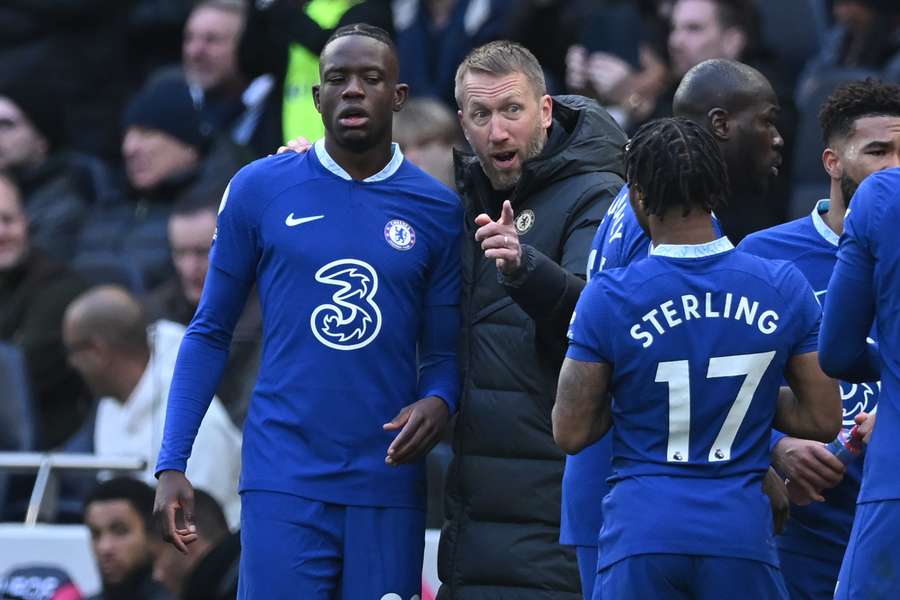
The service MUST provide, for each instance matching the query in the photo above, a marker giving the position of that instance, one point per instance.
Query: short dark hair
(135, 492)
(365, 30)
(854, 100)
(673, 162)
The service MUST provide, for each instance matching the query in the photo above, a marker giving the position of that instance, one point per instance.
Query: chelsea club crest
(400, 235)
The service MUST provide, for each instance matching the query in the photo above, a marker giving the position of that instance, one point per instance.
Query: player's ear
(718, 121)
(832, 163)
(315, 91)
(401, 91)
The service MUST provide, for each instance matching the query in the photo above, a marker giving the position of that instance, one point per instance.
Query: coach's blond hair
(501, 58)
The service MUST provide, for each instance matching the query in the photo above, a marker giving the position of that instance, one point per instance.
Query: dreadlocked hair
(674, 162)
(365, 30)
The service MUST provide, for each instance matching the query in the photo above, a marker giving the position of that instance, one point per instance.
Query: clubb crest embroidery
(353, 319)
(524, 221)
(400, 235)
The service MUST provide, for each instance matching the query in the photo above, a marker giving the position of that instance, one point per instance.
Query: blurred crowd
(122, 121)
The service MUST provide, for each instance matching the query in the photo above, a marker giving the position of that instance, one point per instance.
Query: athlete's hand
(500, 240)
(174, 492)
(866, 422)
(809, 468)
(774, 488)
(299, 145)
(420, 425)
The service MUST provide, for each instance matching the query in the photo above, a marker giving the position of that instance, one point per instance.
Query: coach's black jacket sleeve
(547, 290)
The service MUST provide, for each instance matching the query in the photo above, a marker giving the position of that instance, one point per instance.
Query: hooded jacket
(501, 536)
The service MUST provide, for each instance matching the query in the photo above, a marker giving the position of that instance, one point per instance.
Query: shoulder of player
(878, 193)
(416, 182)
(781, 276)
(764, 241)
(271, 174)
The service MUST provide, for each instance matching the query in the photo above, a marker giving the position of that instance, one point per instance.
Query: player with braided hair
(693, 343)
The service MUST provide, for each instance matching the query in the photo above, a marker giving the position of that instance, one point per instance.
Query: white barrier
(67, 547)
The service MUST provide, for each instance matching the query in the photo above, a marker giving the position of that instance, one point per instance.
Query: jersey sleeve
(236, 248)
(850, 311)
(589, 331)
(808, 312)
(444, 278)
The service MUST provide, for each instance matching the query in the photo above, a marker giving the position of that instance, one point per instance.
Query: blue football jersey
(869, 256)
(819, 529)
(698, 338)
(344, 269)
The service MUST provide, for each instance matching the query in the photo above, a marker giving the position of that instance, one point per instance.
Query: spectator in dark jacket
(543, 175)
(56, 190)
(78, 48)
(169, 154)
(284, 38)
(433, 36)
(34, 293)
(119, 514)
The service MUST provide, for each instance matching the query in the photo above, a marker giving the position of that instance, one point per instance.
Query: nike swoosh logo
(292, 222)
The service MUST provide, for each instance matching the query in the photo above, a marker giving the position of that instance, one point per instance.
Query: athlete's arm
(843, 348)
(813, 411)
(201, 360)
(582, 412)
(422, 422)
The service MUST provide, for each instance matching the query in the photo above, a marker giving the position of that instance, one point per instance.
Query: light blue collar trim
(329, 163)
(723, 244)
(821, 226)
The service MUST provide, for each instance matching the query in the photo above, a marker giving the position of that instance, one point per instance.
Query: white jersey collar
(723, 244)
(329, 163)
(821, 226)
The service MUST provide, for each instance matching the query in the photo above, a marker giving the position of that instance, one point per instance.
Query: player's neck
(360, 164)
(675, 229)
(837, 206)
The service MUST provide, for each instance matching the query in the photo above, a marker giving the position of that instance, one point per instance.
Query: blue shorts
(292, 547)
(808, 577)
(680, 577)
(587, 569)
(871, 567)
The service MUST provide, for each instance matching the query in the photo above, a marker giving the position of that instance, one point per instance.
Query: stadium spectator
(169, 153)
(119, 515)
(620, 58)
(55, 192)
(283, 38)
(543, 174)
(191, 229)
(129, 368)
(34, 293)
(175, 570)
(78, 50)
(433, 36)
(428, 131)
(865, 37)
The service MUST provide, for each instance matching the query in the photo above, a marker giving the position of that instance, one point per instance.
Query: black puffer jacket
(500, 540)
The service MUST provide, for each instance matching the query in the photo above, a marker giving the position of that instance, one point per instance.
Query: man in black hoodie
(543, 175)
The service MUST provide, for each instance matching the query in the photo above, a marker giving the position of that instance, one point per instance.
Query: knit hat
(40, 107)
(166, 105)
